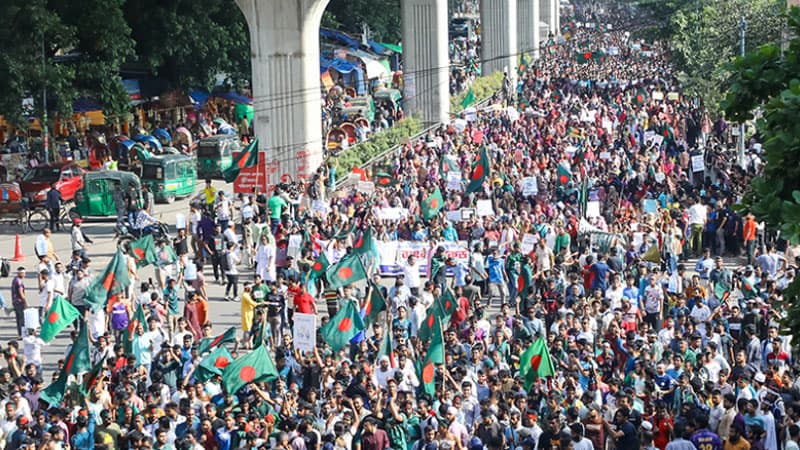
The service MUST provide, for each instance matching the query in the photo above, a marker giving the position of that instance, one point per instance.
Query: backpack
(5, 268)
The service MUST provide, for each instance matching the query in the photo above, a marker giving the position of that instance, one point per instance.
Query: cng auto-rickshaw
(215, 154)
(96, 198)
(170, 176)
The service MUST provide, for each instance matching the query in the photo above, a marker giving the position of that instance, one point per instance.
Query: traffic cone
(18, 256)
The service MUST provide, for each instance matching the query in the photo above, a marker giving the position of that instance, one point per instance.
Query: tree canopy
(767, 80)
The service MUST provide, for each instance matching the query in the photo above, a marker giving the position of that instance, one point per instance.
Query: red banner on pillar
(262, 175)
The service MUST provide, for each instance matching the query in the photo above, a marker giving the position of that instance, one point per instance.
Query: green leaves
(764, 79)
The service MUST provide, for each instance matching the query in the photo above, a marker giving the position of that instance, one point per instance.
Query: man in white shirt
(411, 274)
(59, 280)
(383, 373)
(32, 348)
(698, 215)
(46, 289)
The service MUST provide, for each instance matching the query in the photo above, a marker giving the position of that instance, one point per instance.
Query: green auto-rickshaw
(96, 197)
(215, 154)
(170, 176)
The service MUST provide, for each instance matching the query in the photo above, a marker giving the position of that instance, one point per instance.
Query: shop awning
(392, 47)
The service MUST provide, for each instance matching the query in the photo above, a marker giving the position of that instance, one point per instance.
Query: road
(223, 314)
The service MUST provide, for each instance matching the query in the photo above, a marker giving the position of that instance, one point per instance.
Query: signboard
(453, 181)
(529, 186)
(528, 243)
(698, 163)
(305, 332)
(593, 209)
(366, 187)
(484, 208)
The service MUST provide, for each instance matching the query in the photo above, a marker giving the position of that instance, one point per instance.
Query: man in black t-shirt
(624, 434)
(275, 303)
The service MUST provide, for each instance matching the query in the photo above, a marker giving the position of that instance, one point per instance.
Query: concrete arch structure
(284, 42)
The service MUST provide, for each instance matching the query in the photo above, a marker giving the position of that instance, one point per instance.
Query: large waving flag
(480, 171)
(375, 304)
(207, 344)
(143, 250)
(77, 361)
(535, 363)
(432, 205)
(435, 355)
(254, 367)
(213, 364)
(245, 159)
(342, 327)
(61, 314)
(113, 280)
(348, 270)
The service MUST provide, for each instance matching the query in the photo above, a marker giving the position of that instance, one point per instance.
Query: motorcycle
(126, 233)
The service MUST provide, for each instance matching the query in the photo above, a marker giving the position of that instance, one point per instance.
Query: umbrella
(147, 139)
(162, 135)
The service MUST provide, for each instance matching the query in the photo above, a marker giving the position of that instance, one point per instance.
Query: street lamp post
(45, 136)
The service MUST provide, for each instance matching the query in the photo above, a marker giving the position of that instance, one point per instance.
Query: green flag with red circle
(214, 363)
(254, 367)
(114, 279)
(143, 250)
(432, 204)
(432, 323)
(448, 305)
(535, 362)
(77, 361)
(342, 327)
(60, 314)
(245, 159)
(348, 270)
(434, 356)
(563, 175)
(480, 170)
(207, 344)
(383, 179)
(318, 267)
(375, 304)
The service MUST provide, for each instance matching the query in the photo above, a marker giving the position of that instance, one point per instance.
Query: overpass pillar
(426, 84)
(284, 45)
(499, 37)
(528, 27)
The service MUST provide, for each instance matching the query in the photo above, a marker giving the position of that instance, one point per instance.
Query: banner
(395, 253)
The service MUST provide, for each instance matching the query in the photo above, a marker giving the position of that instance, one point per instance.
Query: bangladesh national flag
(432, 324)
(722, 291)
(480, 171)
(447, 164)
(640, 97)
(748, 289)
(92, 377)
(318, 268)
(469, 99)
(207, 344)
(387, 350)
(143, 250)
(77, 361)
(376, 303)
(61, 314)
(599, 57)
(245, 159)
(254, 367)
(524, 281)
(365, 244)
(556, 95)
(112, 280)
(165, 256)
(348, 270)
(383, 179)
(448, 304)
(583, 57)
(342, 327)
(564, 175)
(668, 133)
(128, 333)
(213, 364)
(432, 204)
(535, 363)
(434, 355)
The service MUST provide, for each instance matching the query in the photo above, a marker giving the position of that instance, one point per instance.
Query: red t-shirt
(303, 303)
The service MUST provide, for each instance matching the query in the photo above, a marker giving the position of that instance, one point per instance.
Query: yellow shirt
(211, 195)
(248, 308)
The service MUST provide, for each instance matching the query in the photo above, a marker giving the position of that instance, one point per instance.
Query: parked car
(68, 178)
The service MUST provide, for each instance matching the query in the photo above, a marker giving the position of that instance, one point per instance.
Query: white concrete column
(284, 44)
(555, 17)
(545, 13)
(499, 36)
(426, 85)
(528, 27)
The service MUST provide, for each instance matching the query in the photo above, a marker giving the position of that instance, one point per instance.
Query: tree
(382, 16)
(24, 26)
(190, 43)
(767, 80)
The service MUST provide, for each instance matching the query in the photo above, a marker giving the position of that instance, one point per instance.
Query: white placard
(391, 213)
(638, 240)
(658, 95)
(454, 216)
(605, 156)
(698, 163)
(453, 180)
(353, 177)
(366, 187)
(484, 208)
(655, 141)
(180, 221)
(593, 209)
(295, 242)
(31, 318)
(529, 186)
(305, 332)
(528, 243)
(319, 207)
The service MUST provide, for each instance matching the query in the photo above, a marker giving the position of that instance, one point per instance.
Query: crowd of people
(654, 296)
